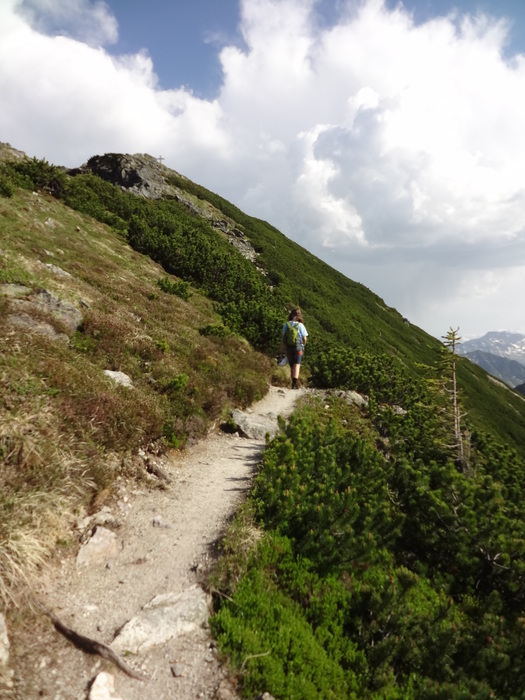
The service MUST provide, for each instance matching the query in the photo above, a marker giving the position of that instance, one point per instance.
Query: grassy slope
(338, 310)
(58, 406)
(66, 430)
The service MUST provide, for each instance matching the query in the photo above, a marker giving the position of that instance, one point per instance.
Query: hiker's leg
(296, 368)
(297, 365)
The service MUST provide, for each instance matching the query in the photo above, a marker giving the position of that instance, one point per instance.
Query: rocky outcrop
(7, 152)
(40, 311)
(142, 175)
(145, 176)
(255, 426)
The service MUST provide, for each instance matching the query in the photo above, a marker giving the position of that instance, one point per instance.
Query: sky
(385, 137)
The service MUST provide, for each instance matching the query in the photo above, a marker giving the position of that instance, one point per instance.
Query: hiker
(293, 341)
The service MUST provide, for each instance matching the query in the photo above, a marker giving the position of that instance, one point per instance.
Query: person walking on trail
(293, 341)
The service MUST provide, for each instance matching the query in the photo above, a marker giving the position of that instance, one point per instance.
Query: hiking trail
(140, 591)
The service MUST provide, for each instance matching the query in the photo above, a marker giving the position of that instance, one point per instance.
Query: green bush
(272, 644)
(178, 383)
(6, 186)
(409, 573)
(163, 345)
(327, 492)
(180, 288)
(215, 329)
(39, 175)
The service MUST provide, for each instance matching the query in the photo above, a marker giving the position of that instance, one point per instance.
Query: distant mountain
(509, 371)
(520, 389)
(500, 343)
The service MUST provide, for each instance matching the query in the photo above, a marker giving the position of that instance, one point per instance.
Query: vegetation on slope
(388, 566)
(385, 568)
(340, 314)
(66, 429)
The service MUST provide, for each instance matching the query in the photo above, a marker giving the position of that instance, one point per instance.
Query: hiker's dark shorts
(295, 357)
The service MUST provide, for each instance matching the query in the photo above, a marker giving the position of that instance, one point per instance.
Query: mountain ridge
(508, 344)
(500, 353)
(509, 371)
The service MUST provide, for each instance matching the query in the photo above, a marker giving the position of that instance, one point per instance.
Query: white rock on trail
(101, 546)
(103, 688)
(165, 617)
(4, 642)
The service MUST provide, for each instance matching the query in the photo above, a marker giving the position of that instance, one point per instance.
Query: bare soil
(208, 482)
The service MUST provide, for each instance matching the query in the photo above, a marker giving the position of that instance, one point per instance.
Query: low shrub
(178, 287)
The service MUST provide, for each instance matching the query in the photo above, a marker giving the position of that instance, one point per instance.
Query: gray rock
(353, 397)
(103, 688)
(26, 322)
(64, 311)
(399, 410)
(55, 269)
(101, 546)
(47, 304)
(255, 427)
(15, 291)
(165, 617)
(4, 642)
(119, 378)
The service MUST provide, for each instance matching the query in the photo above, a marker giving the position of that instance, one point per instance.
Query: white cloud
(393, 151)
(66, 100)
(84, 20)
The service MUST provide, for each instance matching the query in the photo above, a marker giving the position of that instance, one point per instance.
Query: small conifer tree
(461, 443)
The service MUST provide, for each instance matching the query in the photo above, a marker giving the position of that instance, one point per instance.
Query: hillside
(340, 312)
(137, 310)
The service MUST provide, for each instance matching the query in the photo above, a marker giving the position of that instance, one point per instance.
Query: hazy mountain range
(500, 353)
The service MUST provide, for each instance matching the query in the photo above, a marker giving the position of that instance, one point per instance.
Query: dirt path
(162, 546)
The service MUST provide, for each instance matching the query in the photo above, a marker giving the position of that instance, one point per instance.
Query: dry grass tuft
(39, 491)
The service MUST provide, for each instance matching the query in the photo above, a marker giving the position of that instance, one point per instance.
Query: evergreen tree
(460, 439)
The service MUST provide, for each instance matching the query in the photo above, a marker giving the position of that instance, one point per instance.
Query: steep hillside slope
(340, 313)
(96, 361)
(137, 309)
(193, 332)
